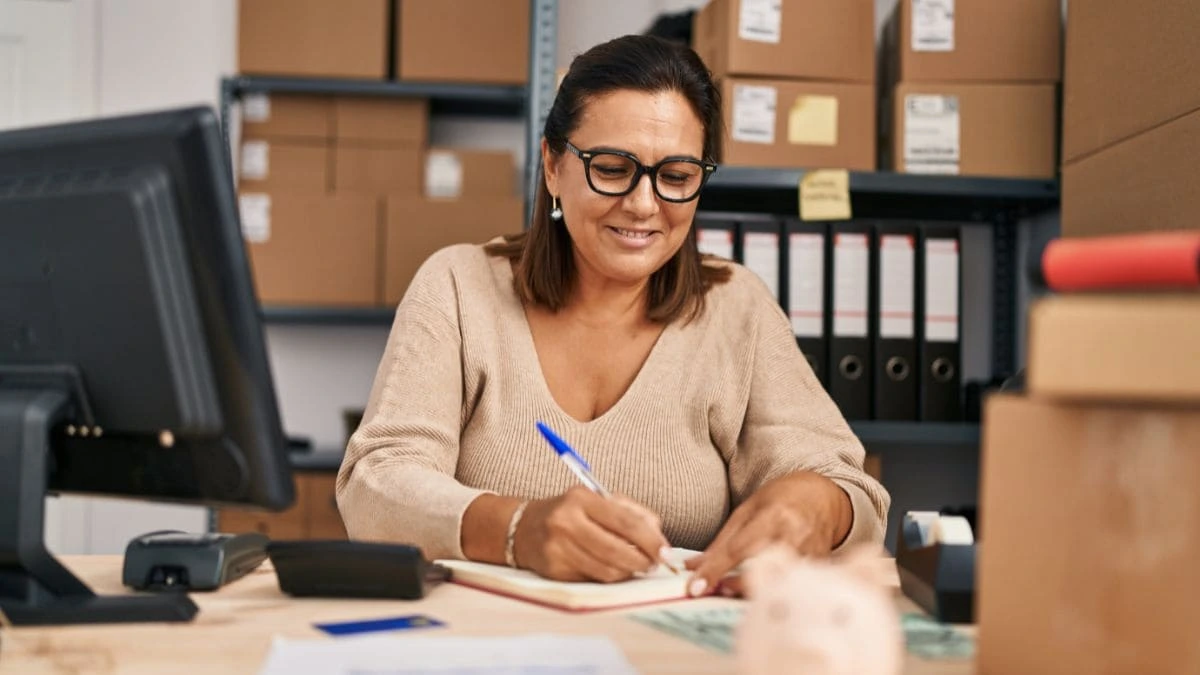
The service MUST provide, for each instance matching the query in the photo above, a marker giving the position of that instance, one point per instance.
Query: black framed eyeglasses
(614, 173)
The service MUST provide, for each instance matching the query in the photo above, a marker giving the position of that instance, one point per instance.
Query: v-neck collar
(529, 346)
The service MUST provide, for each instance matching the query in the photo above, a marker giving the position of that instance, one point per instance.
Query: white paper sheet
(540, 654)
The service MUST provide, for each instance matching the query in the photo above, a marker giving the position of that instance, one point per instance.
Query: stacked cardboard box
(797, 78)
(1090, 513)
(1131, 117)
(314, 38)
(970, 87)
(342, 199)
(464, 41)
(470, 41)
(306, 244)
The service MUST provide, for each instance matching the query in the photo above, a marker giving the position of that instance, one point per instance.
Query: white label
(715, 242)
(754, 113)
(443, 175)
(850, 286)
(897, 257)
(941, 290)
(761, 256)
(932, 25)
(761, 20)
(806, 284)
(931, 134)
(255, 164)
(256, 107)
(255, 208)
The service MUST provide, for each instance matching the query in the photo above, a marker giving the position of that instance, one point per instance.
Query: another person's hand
(582, 536)
(804, 511)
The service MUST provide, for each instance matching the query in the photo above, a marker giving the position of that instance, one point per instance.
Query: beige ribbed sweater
(721, 405)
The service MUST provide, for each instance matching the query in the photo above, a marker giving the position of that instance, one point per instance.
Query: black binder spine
(893, 328)
(940, 325)
(850, 360)
(806, 294)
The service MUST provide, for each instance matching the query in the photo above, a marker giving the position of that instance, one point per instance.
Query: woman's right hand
(582, 536)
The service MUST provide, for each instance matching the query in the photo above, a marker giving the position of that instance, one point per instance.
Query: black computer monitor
(132, 360)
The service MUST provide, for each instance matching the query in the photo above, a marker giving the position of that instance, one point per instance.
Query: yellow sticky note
(825, 195)
(813, 120)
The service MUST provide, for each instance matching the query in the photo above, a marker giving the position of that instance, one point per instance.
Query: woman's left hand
(803, 510)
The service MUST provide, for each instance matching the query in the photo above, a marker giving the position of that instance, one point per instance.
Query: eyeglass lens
(614, 175)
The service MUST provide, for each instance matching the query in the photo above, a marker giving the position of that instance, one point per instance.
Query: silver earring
(556, 211)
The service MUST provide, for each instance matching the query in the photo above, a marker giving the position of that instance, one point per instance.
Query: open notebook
(657, 586)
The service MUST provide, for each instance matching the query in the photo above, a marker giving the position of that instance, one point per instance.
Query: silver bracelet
(509, 558)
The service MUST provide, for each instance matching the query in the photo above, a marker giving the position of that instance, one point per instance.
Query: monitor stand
(35, 588)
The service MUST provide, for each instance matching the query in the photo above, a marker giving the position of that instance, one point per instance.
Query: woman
(677, 377)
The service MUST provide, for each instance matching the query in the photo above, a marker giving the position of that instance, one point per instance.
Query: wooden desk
(233, 631)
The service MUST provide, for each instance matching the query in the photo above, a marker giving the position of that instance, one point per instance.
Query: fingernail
(727, 592)
(697, 587)
(664, 554)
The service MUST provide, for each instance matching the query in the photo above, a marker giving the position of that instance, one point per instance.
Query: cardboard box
(370, 118)
(300, 166)
(1090, 536)
(790, 123)
(1146, 183)
(1140, 347)
(286, 117)
(813, 39)
(980, 41)
(378, 169)
(1130, 66)
(313, 38)
(308, 249)
(1005, 130)
(476, 41)
(455, 172)
(417, 227)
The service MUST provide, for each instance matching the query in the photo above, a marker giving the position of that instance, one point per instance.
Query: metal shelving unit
(916, 434)
(463, 99)
(333, 316)
(529, 103)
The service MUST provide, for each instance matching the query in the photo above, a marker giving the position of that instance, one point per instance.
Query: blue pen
(579, 466)
(574, 462)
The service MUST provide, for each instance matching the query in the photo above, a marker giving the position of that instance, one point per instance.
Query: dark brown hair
(543, 260)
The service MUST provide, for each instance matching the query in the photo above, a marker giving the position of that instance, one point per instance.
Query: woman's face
(625, 239)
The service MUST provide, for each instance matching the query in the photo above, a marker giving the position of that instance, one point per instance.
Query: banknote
(709, 627)
(932, 640)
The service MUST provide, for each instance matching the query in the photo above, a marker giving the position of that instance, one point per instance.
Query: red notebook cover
(1145, 261)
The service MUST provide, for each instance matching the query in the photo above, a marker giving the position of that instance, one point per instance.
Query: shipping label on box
(254, 210)
(754, 113)
(443, 174)
(760, 20)
(933, 26)
(931, 134)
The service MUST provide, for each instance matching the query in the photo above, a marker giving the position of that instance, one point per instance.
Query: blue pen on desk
(579, 466)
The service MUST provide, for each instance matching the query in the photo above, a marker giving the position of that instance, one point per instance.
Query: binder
(941, 363)
(806, 267)
(894, 328)
(715, 234)
(850, 343)
(759, 249)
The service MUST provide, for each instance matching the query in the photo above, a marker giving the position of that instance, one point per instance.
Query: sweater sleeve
(791, 424)
(396, 482)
